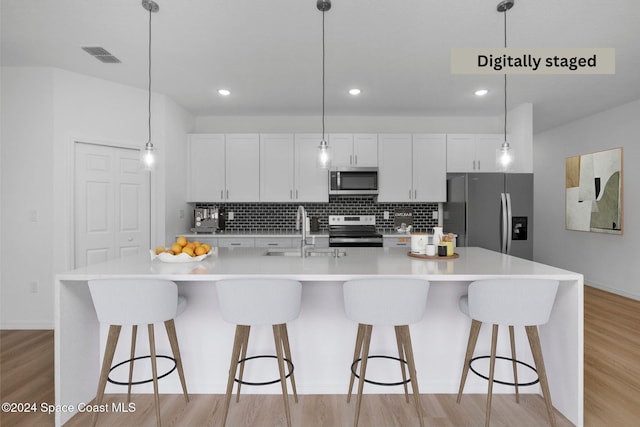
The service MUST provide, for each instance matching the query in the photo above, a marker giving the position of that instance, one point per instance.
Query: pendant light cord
(323, 60)
(149, 110)
(505, 79)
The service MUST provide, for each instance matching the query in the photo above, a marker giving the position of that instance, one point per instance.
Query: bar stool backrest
(516, 302)
(134, 301)
(259, 301)
(388, 302)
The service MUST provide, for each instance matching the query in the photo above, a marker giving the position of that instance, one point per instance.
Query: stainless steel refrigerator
(492, 211)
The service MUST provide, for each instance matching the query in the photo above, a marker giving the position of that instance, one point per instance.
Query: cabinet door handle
(351, 159)
(296, 194)
(478, 164)
(290, 194)
(415, 194)
(409, 194)
(221, 194)
(227, 193)
(272, 244)
(235, 244)
(474, 165)
(356, 157)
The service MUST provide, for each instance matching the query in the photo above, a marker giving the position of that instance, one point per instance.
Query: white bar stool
(512, 302)
(136, 302)
(385, 302)
(252, 302)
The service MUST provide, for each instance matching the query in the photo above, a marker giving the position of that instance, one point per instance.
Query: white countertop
(473, 264)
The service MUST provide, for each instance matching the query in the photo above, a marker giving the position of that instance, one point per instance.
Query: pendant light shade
(504, 154)
(149, 153)
(324, 151)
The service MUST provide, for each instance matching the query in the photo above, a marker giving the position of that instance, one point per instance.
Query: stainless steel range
(353, 230)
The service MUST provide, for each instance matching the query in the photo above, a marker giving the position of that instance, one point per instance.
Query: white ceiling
(268, 53)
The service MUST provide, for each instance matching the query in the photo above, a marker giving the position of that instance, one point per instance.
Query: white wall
(609, 262)
(351, 124)
(27, 197)
(48, 109)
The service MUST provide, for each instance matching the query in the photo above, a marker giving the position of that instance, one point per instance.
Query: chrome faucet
(301, 224)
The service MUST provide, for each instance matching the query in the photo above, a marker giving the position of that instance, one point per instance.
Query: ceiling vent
(101, 54)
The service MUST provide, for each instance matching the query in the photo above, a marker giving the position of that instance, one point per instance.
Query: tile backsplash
(282, 216)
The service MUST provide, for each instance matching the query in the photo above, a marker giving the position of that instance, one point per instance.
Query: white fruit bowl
(180, 258)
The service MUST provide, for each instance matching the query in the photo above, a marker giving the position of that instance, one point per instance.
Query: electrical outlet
(434, 214)
(33, 215)
(181, 213)
(33, 287)
(230, 216)
(386, 214)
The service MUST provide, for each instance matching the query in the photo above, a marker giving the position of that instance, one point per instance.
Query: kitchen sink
(334, 252)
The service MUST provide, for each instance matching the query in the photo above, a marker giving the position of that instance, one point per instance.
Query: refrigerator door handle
(509, 223)
(503, 220)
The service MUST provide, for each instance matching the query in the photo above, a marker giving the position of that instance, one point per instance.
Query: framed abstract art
(593, 197)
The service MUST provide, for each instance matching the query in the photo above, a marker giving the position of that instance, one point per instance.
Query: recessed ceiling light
(224, 92)
(354, 91)
(481, 92)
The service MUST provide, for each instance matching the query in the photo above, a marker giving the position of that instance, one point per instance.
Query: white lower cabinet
(236, 242)
(396, 242)
(276, 242)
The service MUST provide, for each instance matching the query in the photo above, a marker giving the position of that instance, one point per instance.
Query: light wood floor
(612, 388)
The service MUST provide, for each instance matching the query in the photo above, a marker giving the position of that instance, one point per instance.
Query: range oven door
(373, 242)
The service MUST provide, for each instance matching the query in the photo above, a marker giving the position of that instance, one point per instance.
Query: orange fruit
(159, 249)
(182, 241)
(191, 245)
(176, 248)
(199, 250)
(206, 247)
(187, 250)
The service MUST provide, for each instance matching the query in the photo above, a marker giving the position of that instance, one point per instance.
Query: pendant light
(324, 151)
(148, 154)
(504, 155)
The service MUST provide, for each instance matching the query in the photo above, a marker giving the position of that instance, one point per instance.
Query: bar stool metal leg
(401, 356)
(471, 346)
(109, 351)
(536, 350)
(170, 326)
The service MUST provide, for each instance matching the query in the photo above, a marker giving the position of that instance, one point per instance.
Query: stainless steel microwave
(346, 181)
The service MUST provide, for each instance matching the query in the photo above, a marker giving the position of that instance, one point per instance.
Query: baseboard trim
(609, 289)
(27, 325)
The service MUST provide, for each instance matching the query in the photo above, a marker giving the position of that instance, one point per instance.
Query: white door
(111, 197)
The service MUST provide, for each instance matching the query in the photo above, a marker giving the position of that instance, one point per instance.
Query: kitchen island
(322, 338)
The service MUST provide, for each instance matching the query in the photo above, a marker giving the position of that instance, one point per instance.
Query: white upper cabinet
(311, 182)
(242, 167)
(395, 180)
(412, 167)
(472, 153)
(352, 150)
(223, 168)
(276, 168)
(206, 166)
(429, 167)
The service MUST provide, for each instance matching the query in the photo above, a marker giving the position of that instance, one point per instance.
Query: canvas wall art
(594, 192)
